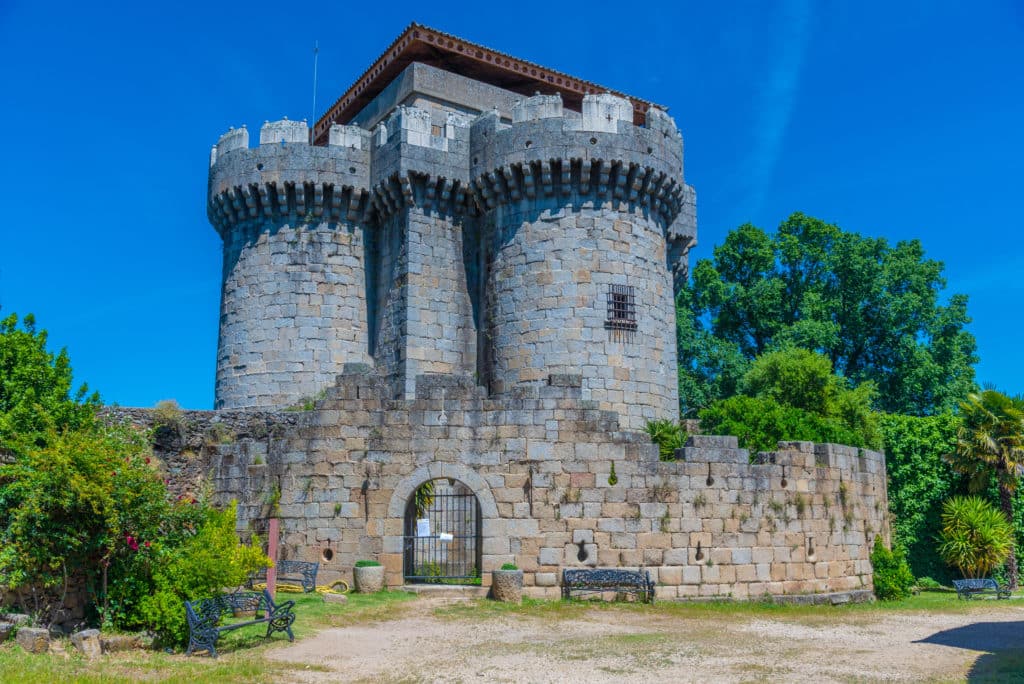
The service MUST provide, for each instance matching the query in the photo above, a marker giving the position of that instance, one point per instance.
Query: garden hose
(296, 589)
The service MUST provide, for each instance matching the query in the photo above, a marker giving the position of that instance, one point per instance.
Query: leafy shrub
(168, 413)
(792, 394)
(892, 577)
(367, 564)
(928, 583)
(976, 538)
(84, 503)
(200, 567)
(920, 479)
(760, 424)
(668, 435)
(509, 566)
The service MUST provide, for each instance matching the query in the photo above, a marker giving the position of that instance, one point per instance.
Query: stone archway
(442, 541)
(395, 525)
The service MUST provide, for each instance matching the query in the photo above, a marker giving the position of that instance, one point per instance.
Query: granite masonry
(464, 275)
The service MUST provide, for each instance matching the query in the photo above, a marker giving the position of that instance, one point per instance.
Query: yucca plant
(668, 435)
(976, 537)
(990, 444)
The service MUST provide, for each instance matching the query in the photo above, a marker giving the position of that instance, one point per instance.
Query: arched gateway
(442, 541)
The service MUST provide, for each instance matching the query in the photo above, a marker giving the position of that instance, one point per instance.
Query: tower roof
(418, 43)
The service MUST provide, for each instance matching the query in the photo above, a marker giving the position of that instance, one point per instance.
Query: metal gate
(442, 534)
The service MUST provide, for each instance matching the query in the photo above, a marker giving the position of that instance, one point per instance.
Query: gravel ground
(427, 644)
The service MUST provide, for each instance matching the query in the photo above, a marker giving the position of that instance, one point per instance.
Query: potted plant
(369, 576)
(507, 584)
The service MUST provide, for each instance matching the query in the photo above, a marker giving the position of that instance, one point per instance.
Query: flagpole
(312, 123)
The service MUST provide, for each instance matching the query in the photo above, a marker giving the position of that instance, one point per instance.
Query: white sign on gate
(423, 527)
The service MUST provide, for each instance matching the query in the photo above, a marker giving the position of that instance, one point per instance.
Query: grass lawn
(854, 613)
(241, 652)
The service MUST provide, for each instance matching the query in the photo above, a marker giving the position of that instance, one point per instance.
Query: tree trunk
(1006, 499)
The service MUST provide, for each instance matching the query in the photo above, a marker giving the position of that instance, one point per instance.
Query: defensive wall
(797, 521)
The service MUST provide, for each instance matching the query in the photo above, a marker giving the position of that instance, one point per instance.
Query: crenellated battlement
(600, 154)
(285, 175)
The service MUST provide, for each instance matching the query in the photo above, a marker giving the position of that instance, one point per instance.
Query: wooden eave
(444, 51)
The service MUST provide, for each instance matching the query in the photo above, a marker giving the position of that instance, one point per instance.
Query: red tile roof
(420, 43)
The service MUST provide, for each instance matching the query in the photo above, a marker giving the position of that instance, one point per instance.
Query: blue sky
(899, 119)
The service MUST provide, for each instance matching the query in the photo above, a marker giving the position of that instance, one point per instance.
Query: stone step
(448, 593)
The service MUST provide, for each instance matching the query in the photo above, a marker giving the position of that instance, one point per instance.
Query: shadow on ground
(1002, 644)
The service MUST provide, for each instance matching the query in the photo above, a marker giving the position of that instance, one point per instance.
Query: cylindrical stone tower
(576, 215)
(293, 302)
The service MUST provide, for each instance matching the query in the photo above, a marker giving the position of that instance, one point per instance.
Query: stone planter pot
(369, 579)
(507, 585)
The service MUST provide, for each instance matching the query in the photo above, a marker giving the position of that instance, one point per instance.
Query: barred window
(621, 308)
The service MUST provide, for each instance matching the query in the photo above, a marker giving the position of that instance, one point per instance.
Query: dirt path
(621, 646)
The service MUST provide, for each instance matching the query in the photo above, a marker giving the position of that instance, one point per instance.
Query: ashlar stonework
(469, 282)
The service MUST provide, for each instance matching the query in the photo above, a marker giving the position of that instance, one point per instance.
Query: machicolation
(469, 282)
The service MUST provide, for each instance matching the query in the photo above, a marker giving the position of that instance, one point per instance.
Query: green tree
(990, 445)
(976, 537)
(873, 309)
(36, 392)
(792, 394)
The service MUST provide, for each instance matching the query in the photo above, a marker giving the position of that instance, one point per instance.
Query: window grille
(621, 308)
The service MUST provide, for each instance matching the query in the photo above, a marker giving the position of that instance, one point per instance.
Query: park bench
(205, 616)
(970, 588)
(599, 581)
(302, 572)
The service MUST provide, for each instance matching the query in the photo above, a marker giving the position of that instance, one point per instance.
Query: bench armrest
(282, 608)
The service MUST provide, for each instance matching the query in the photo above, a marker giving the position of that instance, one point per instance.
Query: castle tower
(577, 210)
(293, 304)
(423, 322)
(444, 223)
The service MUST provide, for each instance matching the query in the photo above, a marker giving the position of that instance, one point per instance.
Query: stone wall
(711, 524)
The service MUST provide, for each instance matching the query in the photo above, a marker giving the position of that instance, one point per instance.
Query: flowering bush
(199, 567)
(82, 504)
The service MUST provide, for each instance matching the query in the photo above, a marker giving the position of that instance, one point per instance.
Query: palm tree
(990, 441)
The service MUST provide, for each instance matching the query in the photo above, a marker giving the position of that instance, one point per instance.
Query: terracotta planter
(507, 585)
(369, 579)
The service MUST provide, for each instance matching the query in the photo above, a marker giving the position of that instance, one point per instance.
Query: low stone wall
(799, 520)
(184, 440)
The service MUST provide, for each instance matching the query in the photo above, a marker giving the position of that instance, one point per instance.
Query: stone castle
(465, 274)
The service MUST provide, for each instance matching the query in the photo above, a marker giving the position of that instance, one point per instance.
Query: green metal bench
(972, 588)
(205, 616)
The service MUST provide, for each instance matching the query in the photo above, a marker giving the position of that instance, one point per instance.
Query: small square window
(435, 130)
(621, 308)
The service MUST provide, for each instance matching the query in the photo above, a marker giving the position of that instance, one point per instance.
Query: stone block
(546, 579)
(670, 575)
(676, 556)
(34, 639)
(335, 598)
(115, 643)
(87, 642)
(582, 535)
(550, 556)
(5, 630)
